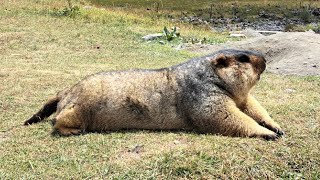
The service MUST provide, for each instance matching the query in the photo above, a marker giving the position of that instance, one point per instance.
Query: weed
(169, 36)
(294, 28)
(69, 11)
(302, 28)
(305, 15)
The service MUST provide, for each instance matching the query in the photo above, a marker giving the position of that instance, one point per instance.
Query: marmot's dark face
(239, 71)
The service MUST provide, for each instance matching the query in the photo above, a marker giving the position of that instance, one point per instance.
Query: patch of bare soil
(292, 53)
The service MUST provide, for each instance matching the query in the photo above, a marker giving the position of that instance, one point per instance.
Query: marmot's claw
(280, 132)
(270, 137)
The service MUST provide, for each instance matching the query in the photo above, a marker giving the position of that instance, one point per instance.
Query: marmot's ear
(219, 61)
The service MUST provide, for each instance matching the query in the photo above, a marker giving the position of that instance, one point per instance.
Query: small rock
(238, 35)
(177, 28)
(176, 142)
(316, 12)
(150, 37)
(161, 42)
(180, 46)
(87, 7)
(137, 149)
(251, 33)
(290, 91)
(311, 31)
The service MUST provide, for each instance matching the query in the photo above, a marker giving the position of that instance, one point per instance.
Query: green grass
(192, 5)
(208, 9)
(42, 53)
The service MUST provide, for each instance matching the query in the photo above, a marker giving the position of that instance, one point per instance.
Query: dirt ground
(292, 53)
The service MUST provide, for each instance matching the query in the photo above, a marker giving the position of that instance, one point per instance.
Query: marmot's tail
(49, 108)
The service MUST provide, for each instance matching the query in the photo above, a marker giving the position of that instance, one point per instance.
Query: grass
(42, 53)
(191, 5)
(208, 9)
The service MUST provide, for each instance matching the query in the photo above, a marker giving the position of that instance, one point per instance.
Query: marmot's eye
(244, 58)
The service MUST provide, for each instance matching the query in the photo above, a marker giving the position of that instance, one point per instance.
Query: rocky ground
(290, 53)
(276, 21)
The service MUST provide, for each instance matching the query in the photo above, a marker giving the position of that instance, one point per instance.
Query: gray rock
(150, 37)
(161, 42)
(180, 46)
(250, 33)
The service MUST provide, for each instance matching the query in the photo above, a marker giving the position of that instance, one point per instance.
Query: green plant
(305, 15)
(294, 28)
(70, 11)
(169, 36)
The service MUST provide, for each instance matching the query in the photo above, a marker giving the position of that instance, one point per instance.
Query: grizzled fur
(210, 94)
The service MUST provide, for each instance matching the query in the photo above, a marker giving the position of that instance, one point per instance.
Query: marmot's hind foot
(63, 131)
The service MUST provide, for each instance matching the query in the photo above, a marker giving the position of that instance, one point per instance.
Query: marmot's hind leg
(68, 123)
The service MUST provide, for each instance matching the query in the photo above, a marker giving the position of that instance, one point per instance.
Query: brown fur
(209, 94)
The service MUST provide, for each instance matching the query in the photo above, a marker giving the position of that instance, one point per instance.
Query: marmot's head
(238, 70)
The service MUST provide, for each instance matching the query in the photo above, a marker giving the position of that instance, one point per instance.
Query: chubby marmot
(210, 94)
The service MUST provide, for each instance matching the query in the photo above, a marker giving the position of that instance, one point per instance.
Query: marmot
(210, 94)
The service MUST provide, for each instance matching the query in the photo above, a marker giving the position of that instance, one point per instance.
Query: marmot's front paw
(265, 134)
(279, 132)
(275, 129)
(270, 137)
